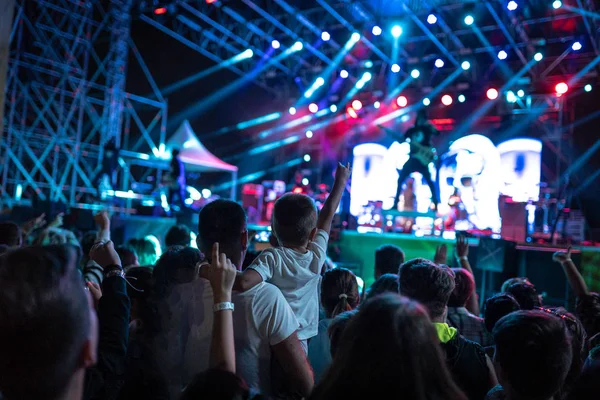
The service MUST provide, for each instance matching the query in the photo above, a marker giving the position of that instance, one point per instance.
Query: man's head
(128, 256)
(525, 294)
(533, 354)
(178, 235)
(511, 281)
(429, 284)
(294, 219)
(10, 234)
(463, 289)
(223, 221)
(497, 307)
(48, 327)
(388, 259)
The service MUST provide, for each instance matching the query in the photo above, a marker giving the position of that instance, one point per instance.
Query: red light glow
(492, 94)
(210, 1)
(160, 10)
(446, 99)
(402, 101)
(561, 88)
(351, 112)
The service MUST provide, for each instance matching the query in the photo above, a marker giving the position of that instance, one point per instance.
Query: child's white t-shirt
(298, 276)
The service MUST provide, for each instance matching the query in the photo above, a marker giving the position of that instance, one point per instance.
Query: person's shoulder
(266, 292)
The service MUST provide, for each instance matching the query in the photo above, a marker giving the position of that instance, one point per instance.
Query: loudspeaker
(535, 262)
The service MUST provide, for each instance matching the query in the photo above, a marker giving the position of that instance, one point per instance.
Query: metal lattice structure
(66, 97)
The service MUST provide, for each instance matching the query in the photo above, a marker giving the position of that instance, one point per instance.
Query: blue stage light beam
(167, 90)
(245, 124)
(199, 108)
(504, 68)
(366, 77)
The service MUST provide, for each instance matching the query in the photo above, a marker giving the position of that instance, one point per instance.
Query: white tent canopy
(196, 157)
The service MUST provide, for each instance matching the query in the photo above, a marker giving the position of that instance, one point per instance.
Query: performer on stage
(105, 179)
(421, 154)
(174, 180)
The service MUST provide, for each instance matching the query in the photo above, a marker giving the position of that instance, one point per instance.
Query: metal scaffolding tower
(65, 97)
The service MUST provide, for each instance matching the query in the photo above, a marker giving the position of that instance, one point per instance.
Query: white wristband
(226, 305)
(463, 258)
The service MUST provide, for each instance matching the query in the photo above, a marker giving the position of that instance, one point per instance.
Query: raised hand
(104, 254)
(57, 222)
(102, 220)
(342, 173)
(441, 254)
(33, 224)
(462, 246)
(221, 273)
(562, 256)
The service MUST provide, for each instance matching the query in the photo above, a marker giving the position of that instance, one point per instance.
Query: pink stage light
(357, 105)
(402, 101)
(446, 99)
(160, 10)
(561, 88)
(351, 112)
(492, 94)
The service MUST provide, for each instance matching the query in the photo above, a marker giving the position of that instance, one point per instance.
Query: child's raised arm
(333, 200)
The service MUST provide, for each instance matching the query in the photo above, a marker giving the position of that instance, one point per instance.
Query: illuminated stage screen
(473, 168)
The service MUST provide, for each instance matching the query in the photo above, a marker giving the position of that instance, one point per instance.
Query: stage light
(431, 19)
(446, 99)
(520, 93)
(465, 65)
(461, 98)
(313, 107)
(561, 88)
(160, 10)
(368, 64)
(306, 157)
(557, 4)
(360, 84)
(297, 46)
(502, 55)
(248, 53)
(357, 105)
(538, 56)
(343, 74)
(469, 19)
(492, 94)
(275, 44)
(309, 134)
(366, 77)
(415, 73)
(512, 5)
(426, 102)
(576, 46)
(376, 30)
(314, 87)
(206, 193)
(395, 68)
(292, 110)
(333, 108)
(402, 101)
(439, 63)
(396, 31)
(355, 37)
(351, 112)
(511, 97)
(587, 88)
(325, 36)
(378, 104)
(305, 181)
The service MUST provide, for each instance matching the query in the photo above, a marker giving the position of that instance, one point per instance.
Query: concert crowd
(87, 318)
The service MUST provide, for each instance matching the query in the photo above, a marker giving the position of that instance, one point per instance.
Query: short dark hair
(10, 234)
(428, 283)
(176, 265)
(221, 221)
(339, 291)
(387, 283)
(128, 255)
(464, 284)
(510, 281)
(388, 259)
(178, 235)
(534, 352)
(294, 217)
(44, 323)
(497, 307)
(587, 310)
(525, 294)
(145, 250)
